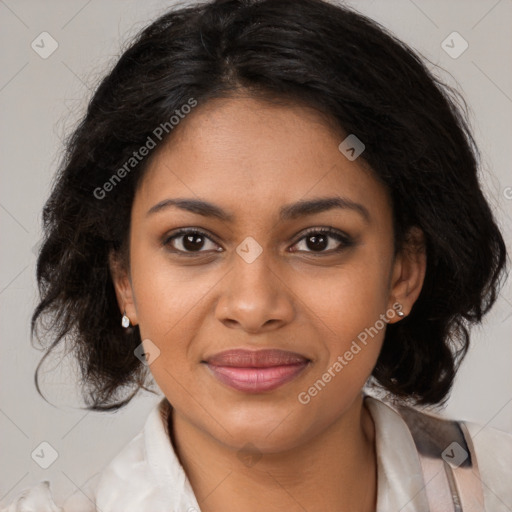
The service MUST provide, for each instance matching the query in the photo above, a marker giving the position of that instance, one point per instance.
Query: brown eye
(190, 241)
(323, 240)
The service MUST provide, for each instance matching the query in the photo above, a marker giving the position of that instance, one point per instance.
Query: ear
(408, 273)
(123, 287)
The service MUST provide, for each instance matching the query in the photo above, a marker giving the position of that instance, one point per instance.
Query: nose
(254, 297)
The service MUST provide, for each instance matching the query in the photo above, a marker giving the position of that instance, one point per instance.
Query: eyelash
(344, 240)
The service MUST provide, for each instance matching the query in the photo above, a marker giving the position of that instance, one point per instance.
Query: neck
(335, 468)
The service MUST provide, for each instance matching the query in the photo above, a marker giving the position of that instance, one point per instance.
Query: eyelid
(323, 229)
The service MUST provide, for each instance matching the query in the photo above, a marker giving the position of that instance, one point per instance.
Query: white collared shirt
(146, 476)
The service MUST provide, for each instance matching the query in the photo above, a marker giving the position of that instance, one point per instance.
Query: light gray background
(41, 99)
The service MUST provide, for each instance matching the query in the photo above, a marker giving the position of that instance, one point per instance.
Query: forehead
(252, 157)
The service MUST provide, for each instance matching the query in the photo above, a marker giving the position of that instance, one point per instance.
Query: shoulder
(39, 498)
(479, 455)
(146, 474)
(115, 482)
(493, 449)
(476, 458)
(124, 478)
(121, 485)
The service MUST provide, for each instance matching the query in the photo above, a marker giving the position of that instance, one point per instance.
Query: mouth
(255, 371)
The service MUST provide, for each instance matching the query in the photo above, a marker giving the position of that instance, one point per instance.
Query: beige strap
(468, 479)
(437, 487)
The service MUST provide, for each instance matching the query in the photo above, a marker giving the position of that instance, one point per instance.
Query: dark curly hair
(328, 57)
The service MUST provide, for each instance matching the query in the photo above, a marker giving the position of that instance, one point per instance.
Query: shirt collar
(164, 463)
(400, 484)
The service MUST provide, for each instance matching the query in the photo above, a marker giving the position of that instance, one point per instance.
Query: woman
(268, 206)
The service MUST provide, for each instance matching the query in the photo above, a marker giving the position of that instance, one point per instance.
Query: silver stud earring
(401, 314)
(125, 321)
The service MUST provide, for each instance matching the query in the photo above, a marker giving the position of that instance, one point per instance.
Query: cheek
(349, 297)
(167, 297)
(162, 299)
(169, 307)
(347, 304)
(346, 310)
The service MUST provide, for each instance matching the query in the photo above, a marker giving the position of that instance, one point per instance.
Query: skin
(250, 157)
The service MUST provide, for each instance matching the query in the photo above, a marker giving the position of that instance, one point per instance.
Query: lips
(256, 358)
(255, 371)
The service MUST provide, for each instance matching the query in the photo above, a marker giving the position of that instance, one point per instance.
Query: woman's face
(255, 279)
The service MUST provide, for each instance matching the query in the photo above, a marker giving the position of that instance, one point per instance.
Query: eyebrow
(290, 211)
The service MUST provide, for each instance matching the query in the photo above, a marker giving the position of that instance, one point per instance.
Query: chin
(271, 429)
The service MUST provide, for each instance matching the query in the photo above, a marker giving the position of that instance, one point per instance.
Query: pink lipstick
(255, 371)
